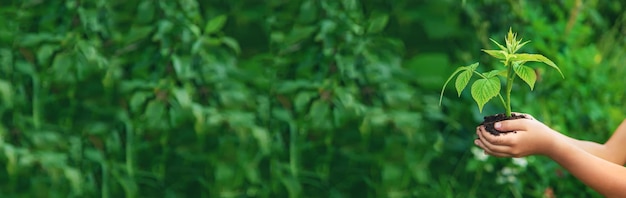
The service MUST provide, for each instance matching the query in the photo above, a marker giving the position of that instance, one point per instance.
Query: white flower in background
(500, 180)
(511, 179)
(521, 162)
(508, 171)
(507, 175)
(479, 154)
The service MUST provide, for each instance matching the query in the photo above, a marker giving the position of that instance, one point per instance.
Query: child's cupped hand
(529, 137)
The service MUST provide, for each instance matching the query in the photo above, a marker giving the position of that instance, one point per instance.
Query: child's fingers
(487, 141)
(527, 116)
(488, 151)
(512, 125)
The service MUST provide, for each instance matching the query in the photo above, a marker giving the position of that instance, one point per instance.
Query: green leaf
(232, 44)
(522, 44)
(378, 23)
(447, 81)
(485, 89)
(6, 91)
(302, 100)
(320, 115)
(536, 58)
(155, 110)
(215, 24)
(526, 73)
(263, 139)
(495, 73)
(500, 46)
(470, 67)
(462, 80)
(194, 29)
(138, 99)
(499, 54)
(183, 97)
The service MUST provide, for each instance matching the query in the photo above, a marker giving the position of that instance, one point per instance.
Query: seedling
(489, 84)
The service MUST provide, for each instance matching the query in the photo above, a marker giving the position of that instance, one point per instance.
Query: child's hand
(529, 137)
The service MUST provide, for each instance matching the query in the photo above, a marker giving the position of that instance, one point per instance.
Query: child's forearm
(605, 177)
(612, 150)
(596, 149)
(616, 145)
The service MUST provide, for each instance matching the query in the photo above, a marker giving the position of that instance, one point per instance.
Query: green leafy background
(290, 98)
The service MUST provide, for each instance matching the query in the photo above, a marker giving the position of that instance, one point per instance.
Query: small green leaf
(378, 23)
(154, 114)
(462, 80)
(194, 29)
(215, 24)
(522, 44)
(6, 91)
(494, 73)
(138, 99)
(263, 139)
(499, 54)
(447, 81)
(500, 46)
(183, 97)
(536, 58)
(302, 100)
(232, 44)
(526, 73)
(485, 89)
(471, 67)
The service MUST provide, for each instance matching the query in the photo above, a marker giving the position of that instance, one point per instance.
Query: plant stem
(502, 99)
(510, 76)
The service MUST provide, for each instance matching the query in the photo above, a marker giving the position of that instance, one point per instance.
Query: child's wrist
(558, 146)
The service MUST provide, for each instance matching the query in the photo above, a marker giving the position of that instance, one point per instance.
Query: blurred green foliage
(279, 98)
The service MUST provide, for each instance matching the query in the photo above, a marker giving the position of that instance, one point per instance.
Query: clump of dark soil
(492, 119)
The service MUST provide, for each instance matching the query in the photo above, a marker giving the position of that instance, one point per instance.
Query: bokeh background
(290, 98)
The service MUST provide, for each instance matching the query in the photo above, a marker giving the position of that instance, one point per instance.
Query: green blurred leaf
(45, 52)
(75, 178)
(183, 97)
(302, 100)
(378, 23)
(215, 24)
(7, 93)
(146, 8)
(182, 66)
(63, 67)
(320, 114)
(155, 114)
(232, 44)
(31, 40)
(138, 99)
(263, 139)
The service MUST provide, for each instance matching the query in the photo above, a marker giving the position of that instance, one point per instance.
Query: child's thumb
(510, 125)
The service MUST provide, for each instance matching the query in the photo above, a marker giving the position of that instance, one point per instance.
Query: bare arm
(605, 177)
(614, 150)
(585, 160)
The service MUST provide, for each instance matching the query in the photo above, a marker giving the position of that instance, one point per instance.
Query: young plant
(489, 84)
